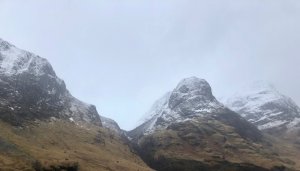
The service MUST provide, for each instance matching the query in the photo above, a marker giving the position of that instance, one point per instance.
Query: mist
(122, 56)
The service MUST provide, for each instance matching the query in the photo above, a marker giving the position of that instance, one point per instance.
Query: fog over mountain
(122, 56)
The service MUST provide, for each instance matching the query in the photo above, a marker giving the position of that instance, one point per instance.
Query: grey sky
(123, 55)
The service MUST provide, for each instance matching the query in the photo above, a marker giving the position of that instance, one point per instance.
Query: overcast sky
(122, 55)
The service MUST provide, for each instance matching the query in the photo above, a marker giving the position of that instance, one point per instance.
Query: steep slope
(44, 128)
(30, 89)
(273, 113)
(188, 129)
(190, 100)
(111, 125)
(60, 145)
(262, 105)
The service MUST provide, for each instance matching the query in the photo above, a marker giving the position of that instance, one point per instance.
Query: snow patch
(16, 61)
(71, 119)
(271, 125)
(294, 123)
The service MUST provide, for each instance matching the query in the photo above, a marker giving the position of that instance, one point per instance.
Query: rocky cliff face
(264, 106)
(43, 127)
(30, 90)
(188, 129)
(190, 100)
(111, 125)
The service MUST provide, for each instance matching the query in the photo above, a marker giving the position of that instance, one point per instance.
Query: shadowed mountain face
(30, 90)
(188, 129)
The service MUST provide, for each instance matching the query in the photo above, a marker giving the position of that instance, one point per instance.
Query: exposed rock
(192, 99)
(111, 124)
(30, 90)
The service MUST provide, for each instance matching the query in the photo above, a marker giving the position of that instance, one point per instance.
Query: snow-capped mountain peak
(30, 90)
(253, 96)
(16, 61)
(194, 92)
(263, 105)
(193, 84)
(191, 98)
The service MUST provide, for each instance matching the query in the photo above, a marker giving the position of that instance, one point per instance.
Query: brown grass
(213, 148)
(62, 143)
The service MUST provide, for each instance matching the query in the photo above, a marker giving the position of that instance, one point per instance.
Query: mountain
(31, 90)
(265, 107)
(188, 129)
(44, 128)
(191, 99)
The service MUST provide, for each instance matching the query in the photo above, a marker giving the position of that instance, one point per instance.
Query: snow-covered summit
(30, 90)
(263, 105)
(253, 96)
(193, 93)
(16, 61)
(191, 98)
(193, 83)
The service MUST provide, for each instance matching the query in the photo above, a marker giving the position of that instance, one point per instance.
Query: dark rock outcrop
(30, 90)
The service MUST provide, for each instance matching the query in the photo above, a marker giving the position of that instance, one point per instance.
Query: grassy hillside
(210, 145)
(64, 145)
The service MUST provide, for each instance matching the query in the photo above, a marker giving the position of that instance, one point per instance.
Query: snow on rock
(265, 106)
(71, 119)
(294, 124)
(110, 124)
(191, 98)
(15, 61)
(156, 111)
(30, 90)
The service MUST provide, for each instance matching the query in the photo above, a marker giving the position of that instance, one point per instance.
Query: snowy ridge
(80, 112)
(253, 96)
(191, 98)
(265, 107)
(30, 87)
(156, 109)
(16, 61)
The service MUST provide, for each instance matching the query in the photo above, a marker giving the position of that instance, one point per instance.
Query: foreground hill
(59, 145)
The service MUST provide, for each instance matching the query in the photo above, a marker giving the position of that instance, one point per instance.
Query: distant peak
(192, 84)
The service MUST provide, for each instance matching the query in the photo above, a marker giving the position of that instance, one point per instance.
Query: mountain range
(189, 129)
(45, 128)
